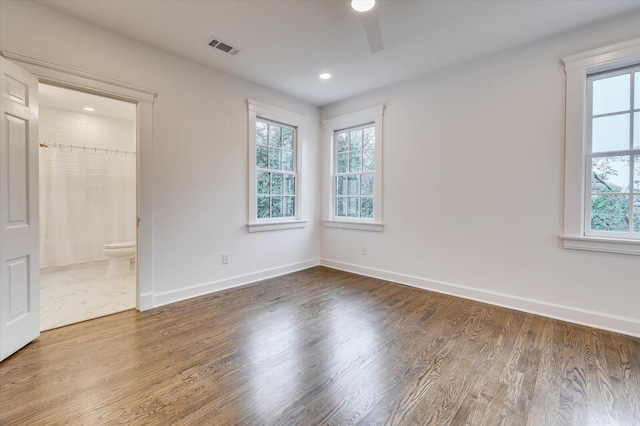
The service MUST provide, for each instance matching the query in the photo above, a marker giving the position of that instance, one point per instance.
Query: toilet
(120, 255)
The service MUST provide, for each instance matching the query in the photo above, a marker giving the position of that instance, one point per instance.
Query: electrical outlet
(364, 250)
(225, 258)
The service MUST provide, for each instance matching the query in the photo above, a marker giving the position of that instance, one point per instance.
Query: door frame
(143, 98)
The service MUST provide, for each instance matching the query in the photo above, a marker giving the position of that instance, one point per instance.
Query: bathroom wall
(200, 170)
(87, 197)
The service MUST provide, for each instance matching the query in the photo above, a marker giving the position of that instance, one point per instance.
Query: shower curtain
(87, 199)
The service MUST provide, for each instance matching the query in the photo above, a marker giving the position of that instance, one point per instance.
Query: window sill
(358, 226)
(275, 226)
(607, 245)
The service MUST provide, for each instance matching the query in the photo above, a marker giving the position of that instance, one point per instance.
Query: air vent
(225, 47)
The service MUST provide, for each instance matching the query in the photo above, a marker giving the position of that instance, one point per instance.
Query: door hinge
(138, 222)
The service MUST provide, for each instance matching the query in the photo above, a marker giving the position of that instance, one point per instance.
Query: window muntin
(276, 169)
(613, 154)
(354, 168)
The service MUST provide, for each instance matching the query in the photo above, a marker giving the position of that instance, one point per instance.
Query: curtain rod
(84, 148)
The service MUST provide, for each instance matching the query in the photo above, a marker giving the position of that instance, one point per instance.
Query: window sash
(632, 153)
(334, 196)
(270, 170)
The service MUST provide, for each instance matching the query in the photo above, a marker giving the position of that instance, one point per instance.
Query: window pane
(261, 133)
(610, 133)
(262, 155)
(287, 161)
(289, 206)
(274, 158)
(287, 139)
(276, 183)
(352, 206)
(343, 142)
(263, 183)
(276, 206)
(355, 140)
(610, 174)
(263, 207)
(612, 94)
(366, 185)
(367, 207)
(636, 174)
(274, 135)
(610, 213)
(289, 185)
(343, 163)
(355, 161)
(340, 207)
(368, 161)
(636, 127)
(341, 185)
(636, 95)
(636, 213)
(353, 185)
(368, 138)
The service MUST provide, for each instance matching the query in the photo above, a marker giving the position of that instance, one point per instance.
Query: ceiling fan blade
(371, 25)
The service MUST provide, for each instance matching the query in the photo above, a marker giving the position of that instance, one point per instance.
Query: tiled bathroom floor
(75, 293)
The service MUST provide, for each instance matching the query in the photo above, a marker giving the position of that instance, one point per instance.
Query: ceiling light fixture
(88, 109)
(362, 5)
(325, 76)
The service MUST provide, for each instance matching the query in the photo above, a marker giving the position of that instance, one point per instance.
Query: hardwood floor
(324, 347)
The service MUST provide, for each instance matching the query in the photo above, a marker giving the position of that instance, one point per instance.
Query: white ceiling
(286, 44)
(76, 101)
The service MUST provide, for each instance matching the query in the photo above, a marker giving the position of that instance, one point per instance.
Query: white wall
(200, 195)
(473, 188)
(87, 198)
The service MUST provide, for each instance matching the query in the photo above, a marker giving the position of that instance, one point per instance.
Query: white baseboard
(146, 302)
(589, 318)
(160, 299)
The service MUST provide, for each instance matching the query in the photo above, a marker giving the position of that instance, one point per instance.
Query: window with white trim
(276, 155)
(613, 154)
(602, 150)
(354, 174)
(354, 166)
(276, 170)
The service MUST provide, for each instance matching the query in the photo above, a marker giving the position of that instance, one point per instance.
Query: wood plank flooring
(324, 347)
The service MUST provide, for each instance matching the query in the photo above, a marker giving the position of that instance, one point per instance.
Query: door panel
(19, 233)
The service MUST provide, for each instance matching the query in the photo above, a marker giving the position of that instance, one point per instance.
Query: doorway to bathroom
(87, 194)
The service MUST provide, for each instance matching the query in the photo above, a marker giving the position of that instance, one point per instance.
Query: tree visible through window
(354, 172)
(613, 160)
(276, 169)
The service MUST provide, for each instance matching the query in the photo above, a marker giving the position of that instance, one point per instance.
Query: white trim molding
(160, 299)
(601, 320)
(357, 226)
(607, 245)
(258, 110)
(577, 68)
(331, 125)
(274, 226)
(82, 79)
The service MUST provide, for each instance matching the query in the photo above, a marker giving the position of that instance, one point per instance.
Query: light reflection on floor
(279, 376)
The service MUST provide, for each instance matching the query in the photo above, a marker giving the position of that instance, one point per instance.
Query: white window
(275, 168)
(355, 142)
(613, 154)
(354, 164)
(602, 152)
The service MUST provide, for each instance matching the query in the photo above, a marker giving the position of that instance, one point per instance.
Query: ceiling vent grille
(225, 47)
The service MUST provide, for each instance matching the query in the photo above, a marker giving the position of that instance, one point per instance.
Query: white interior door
(19, 233)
